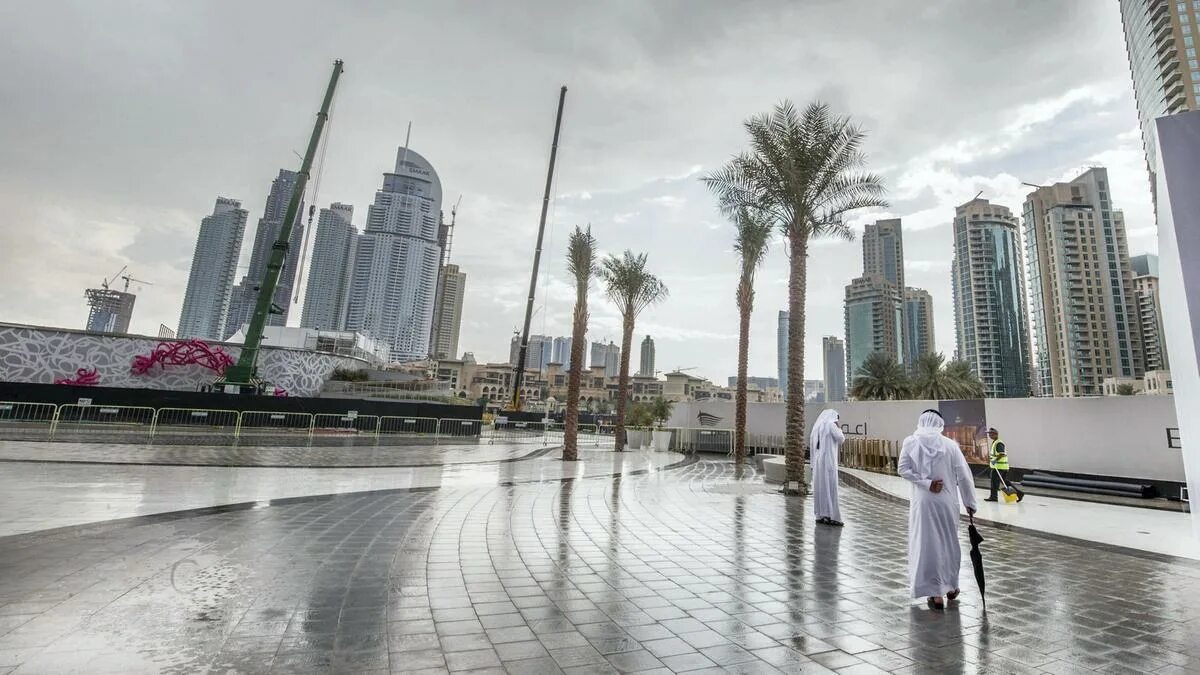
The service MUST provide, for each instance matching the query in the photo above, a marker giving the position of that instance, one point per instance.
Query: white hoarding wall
(1120, 436)
(1178, 201)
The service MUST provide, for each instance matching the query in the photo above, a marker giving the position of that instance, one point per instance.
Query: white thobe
(934, 554)
(825, 471)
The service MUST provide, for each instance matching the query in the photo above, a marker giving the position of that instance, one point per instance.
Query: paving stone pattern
(695, 569)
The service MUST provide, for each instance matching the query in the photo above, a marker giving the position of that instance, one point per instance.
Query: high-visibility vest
(998, 460)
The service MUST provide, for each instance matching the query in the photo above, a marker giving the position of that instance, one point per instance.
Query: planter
(662, 440)
(634, 438)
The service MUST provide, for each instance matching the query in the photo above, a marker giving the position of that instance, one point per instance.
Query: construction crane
(129, 279)
(104, 284)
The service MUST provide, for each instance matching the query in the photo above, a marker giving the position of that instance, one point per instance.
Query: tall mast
(245, 372)
(519, 376)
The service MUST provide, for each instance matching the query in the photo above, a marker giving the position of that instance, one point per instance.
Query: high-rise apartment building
(1160, 38)
(873, 321)
(647, 362)
(834, 352)
(329, 269)
(781, 351)
(762, 383)
(244, 297)
(1149, 305)
(883, 256)
(214, 265)
(539, 354)
(1085, 317)
(607, 355)
(991, 328)
(397, 260)
(447, 312)
(918, 324)
(561, 352)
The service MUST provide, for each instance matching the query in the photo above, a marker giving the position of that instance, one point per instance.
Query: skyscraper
(607, 355)
(447, 312)
(990, 326)
(781, 351)
(561, 352)
(245, 295)
(1160, 40)
(329, 269)
(834, 352)
(883, 256)
(537, 357)
(873, 321)
(1149, 305)
(647, 363)
(214, 264)
(918, 324)
(1085, 315)
(396, 260)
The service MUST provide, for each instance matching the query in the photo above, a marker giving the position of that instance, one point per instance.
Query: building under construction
(111, 310)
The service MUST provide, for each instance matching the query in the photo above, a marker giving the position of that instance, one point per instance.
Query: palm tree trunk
(623, 382)
(574, 375)
(797, 287)
(745, 301)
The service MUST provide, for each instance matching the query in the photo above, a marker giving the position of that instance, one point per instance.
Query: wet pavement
(692, 568)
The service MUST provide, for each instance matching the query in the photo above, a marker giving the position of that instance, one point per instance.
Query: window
(1188, 41)
(1186, 28)
(1191, 53)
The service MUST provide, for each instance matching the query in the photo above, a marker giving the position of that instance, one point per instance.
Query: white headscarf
(930, 442)
(828, 418)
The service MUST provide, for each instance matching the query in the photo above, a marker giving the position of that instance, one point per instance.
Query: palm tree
(581, 264)
(753, 237)
(805, 171)
(967, 384)
(880, 378)
(931, 380)
(632, 289)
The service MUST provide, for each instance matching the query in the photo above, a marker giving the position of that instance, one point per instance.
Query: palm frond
(629, 285)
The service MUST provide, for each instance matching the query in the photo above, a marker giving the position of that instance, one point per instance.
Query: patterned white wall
(36, 354)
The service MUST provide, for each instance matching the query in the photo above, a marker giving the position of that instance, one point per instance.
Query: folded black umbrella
(977, 557)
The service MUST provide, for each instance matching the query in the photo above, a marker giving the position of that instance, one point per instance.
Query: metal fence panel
(459, 429)
(18, 419)
(196, 421)
(701, 440)
(410, 426)
(108, 419)
(347, 423)
(505, 431)
(268, 423)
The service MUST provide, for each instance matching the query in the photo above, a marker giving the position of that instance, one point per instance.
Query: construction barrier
(688, 440)
(196, 421)
(349, 423)
(412, 426)
(452, 428)
(118, 420)
(268, 423)
(36, 419)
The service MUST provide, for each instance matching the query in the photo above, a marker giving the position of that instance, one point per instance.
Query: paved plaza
(634, 562)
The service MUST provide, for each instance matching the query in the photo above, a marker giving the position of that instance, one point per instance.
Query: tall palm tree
(806, 171)
(632, 289)
(753, 237)
(582, 265)
(967, 384)
(930, 379)
(880, 378)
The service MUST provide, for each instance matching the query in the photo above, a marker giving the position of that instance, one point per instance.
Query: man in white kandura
(939, 475)
(823, 447)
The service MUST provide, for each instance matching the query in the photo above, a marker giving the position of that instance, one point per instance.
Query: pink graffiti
(83, 377)
(280, 391)
(185, 353)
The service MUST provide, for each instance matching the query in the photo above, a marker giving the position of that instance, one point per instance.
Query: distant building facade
(647, 362)
(1149, 307)
(781, 351)
(329, 269)
(447, 315)
(883, 257)
(990, 317)
(873, 319)
(607, 356)
(1081, 288)
(214, 266)
(918, 324)
(834, 352)
(561, 352)
(397, 260)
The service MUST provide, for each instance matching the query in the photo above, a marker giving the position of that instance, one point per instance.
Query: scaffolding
(110, 310)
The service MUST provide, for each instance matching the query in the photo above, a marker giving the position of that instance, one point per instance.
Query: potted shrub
(660, 410)
(639, 420)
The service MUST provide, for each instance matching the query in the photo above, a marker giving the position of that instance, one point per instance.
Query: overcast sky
(121, 122)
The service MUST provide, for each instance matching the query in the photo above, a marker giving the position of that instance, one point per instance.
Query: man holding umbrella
(940, 476)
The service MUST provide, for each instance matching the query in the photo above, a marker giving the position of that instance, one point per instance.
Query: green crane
(245, 372)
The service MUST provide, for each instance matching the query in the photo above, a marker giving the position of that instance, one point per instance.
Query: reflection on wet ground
(693, 568)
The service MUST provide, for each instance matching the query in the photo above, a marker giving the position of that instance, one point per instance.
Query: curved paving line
(532, 455)
(867, 488)
(25, 539)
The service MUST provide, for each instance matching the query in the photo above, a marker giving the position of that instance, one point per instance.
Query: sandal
(936, 604)
(823, 521)
(953, 595)
(835, 523)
